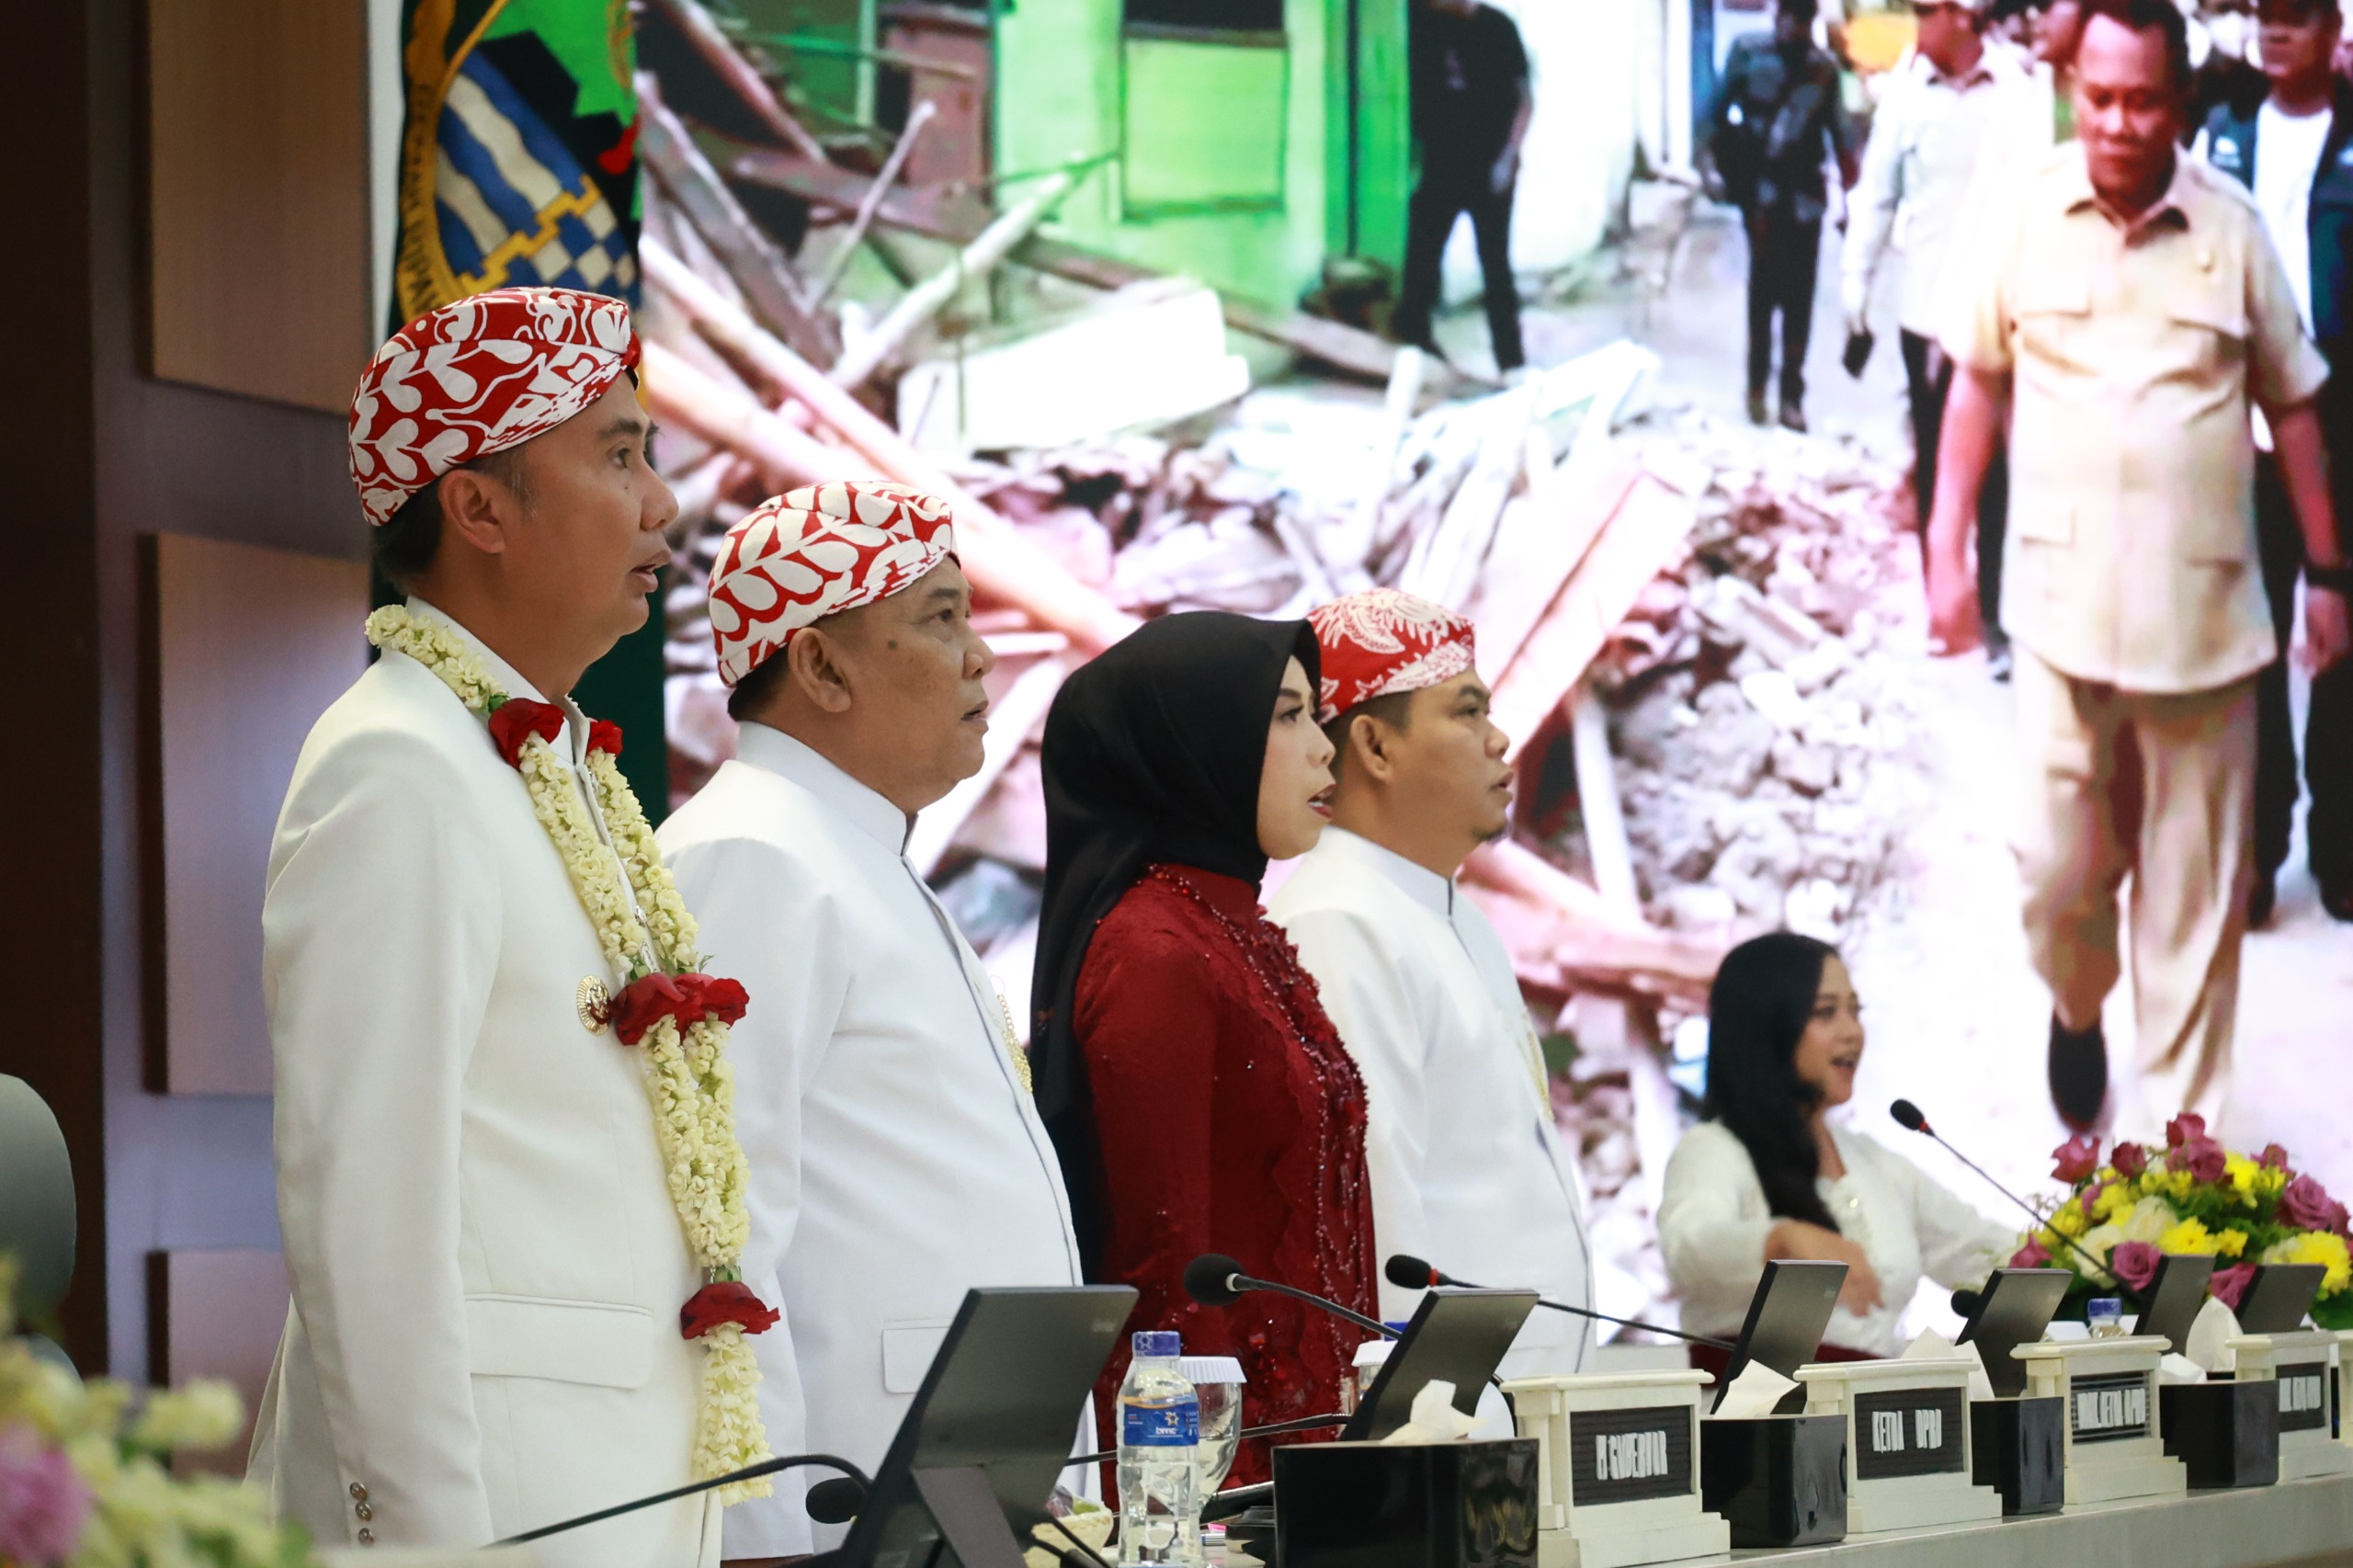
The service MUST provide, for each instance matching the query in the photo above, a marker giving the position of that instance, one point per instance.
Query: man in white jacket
(896, 1158)
(1467, 1171)
(488, 1271)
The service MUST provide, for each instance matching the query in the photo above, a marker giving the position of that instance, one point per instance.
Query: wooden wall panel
(257, 195)
(248, 647)
(216, 1314)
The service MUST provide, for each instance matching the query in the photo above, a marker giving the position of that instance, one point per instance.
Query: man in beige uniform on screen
(2124, 312)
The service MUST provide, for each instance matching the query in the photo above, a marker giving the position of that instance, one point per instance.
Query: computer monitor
(1786, 1320)
(993, 1423)
(2277, 1296)
(2013, 1310)
(2174, 1293)
(1457, 1335)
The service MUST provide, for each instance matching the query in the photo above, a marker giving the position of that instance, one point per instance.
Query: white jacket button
(358, 1492)
(367, 1537)
(364, 1512)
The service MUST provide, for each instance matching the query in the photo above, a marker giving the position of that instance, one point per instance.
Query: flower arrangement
(2192, 1196)
(83, 1476)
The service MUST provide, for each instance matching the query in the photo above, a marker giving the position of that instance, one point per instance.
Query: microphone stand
(1240, 1281)
(749, 1472)
(1919, 1123)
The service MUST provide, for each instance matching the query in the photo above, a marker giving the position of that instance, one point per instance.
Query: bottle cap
(1156, 1342)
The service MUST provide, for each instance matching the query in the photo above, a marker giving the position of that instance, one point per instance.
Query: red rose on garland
(688, 998)
(605, 735)
(516, 720)
(725, 1302)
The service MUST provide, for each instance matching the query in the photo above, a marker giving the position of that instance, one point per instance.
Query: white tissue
(2173, 1369)
(1934, 1347)
(2210, 1337)
(1434, 1417)
(1755, 1392)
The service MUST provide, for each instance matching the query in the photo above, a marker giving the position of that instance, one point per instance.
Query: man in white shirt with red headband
(896, 1158)
(512, 1212)
(1468, 1170)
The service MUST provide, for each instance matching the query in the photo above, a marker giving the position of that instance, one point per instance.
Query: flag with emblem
(519, 160)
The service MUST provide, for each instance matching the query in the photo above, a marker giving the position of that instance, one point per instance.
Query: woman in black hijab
(1200, 1099)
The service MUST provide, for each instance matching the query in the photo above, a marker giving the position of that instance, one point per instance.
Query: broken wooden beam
(887, 177)
(998, 557)
(741, 76)
(691, 397)
(934, 294)
(761, 270)
(959, 219)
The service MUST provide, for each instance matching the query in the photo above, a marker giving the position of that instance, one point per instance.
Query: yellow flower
(2230, 1243)
(2114, 1199)
(2240, 1172)
(2068, 1218)
(2323, 1247)
(2189, 1236)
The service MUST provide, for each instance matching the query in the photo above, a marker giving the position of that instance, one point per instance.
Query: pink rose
(2031, 1255)
(2134, 1263)
(2229, 1284)
(44, 1501)
(2186, 1128)
(2075, 1159)
(2306, 1204)
(2203, 1157)
(2273, 1156)
(2130, 1160)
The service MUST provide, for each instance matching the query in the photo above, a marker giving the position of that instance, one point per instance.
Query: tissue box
(2224, 1433)
(1406, 1505)
(2018, 1447)
(1777, 1480)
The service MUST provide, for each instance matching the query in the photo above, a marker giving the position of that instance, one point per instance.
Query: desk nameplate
(2107, 1407)
(1909, 1432)
(1622, 1456)
(2303, 1397)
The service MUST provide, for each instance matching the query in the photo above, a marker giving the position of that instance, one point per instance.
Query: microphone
(1411, 1273)
(833, 1501)
(1913, 1119)
(1216, 1280)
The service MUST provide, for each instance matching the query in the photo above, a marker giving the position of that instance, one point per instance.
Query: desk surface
(2296, 1521)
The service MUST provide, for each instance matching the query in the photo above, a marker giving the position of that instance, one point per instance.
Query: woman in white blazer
(1766, 1177)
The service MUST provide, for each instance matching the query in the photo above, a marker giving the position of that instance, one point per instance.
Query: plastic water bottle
(1160, 1422)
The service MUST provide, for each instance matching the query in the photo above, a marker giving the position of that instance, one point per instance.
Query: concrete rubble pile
(1766, 761)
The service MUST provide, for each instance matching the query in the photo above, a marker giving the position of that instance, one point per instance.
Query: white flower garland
(687, 1079)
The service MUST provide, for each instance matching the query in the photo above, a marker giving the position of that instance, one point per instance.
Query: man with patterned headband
(497, 1061)
(896, 1158)
(1467, 1168)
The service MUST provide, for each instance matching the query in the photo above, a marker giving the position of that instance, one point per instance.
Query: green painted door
(826, 46)
(1370, 140)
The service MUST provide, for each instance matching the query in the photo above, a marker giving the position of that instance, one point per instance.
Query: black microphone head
(1208, 1279)
(834, 1500)
(1408, 1272)
(1965, 1301)
(1908, 1115)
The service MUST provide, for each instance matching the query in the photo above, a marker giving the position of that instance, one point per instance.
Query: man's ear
(813, 663)
(478, 507)
(1369, 748)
